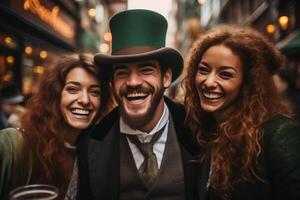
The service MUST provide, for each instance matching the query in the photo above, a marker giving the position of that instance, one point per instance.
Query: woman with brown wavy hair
(69, 99)
(250, 145)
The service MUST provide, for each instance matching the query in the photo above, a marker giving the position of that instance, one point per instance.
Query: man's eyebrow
(145, 64)
(119, 66)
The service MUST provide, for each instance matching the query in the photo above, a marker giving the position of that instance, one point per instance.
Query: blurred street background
(34, 33)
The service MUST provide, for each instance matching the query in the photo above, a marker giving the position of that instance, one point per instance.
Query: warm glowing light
(104, 48)
(39, 69)
(10, 59)
(8, 76)
(50, 16)
(27, 85)
(43, 54)
(107, 36)
(28, 50)
(201, 2)
(270, 28)
(92, 12)
(283, 22)
(7, 40)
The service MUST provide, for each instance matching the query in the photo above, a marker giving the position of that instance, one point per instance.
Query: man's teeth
(80, 111)
(134, 95)
(212, 95)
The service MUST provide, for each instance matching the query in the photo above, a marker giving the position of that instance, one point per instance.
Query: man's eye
(147, 70)
(120, 73)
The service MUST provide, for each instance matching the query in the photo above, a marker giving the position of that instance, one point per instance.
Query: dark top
(278, 166)
(293, 96)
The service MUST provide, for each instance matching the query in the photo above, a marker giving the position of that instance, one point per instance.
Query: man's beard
(137, 122)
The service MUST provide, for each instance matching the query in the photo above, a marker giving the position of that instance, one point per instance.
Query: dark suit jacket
(279, 166)
(99, 157)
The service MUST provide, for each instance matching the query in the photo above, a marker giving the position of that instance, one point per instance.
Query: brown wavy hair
(43, 121)
(237, 143)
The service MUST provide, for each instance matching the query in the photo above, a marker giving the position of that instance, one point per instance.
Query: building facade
(279, 20)
(33, 34)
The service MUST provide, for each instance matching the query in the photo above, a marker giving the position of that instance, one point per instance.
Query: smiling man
(139, 88)
(141, 150)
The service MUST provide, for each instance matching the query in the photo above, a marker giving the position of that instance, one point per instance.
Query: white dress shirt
(158, 147)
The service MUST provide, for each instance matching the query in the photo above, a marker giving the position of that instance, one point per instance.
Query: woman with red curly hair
(70, 98)
(250, 144)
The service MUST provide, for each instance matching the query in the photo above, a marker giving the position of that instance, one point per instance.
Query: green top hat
(140, 35)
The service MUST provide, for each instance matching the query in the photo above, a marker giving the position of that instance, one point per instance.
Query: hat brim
(168, 57)
(16, 99)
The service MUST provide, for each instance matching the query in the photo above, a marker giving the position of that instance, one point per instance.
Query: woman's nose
(210, 81)
(84, 98)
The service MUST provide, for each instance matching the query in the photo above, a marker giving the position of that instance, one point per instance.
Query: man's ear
(167, 78)
(111, 85)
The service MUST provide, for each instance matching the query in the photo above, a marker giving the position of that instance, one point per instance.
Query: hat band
(133, 50)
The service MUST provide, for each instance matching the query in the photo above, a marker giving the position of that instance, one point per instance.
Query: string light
(283, 22)
(270, 28)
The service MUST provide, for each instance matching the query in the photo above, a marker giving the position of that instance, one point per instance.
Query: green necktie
(149, 167)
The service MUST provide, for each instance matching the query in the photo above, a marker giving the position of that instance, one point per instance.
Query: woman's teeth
(212, 95)
(80, 111)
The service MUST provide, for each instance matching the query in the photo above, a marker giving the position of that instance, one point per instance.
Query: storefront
(289, 45)
(33, 35)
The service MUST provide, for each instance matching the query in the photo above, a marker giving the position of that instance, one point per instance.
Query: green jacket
(278, 166)
(15, 162)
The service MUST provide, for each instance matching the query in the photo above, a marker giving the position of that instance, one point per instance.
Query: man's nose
(134, 80)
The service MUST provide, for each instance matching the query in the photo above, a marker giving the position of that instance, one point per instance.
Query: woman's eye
(72, 90)
(203, 70)
(227, 75)
(95, 93)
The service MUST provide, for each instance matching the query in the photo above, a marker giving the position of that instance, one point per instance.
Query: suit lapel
(189, 149)
(104, 171)
(190, 169)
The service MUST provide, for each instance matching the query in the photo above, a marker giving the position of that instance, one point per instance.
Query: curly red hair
(237, 144)
(43, 121)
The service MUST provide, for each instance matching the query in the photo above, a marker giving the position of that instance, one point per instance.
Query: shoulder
(9, 137)
(282, 156)
(282, 139)
(184, 134)
(100, 130)
(173, 104)
(281, 126)
(177, 113)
